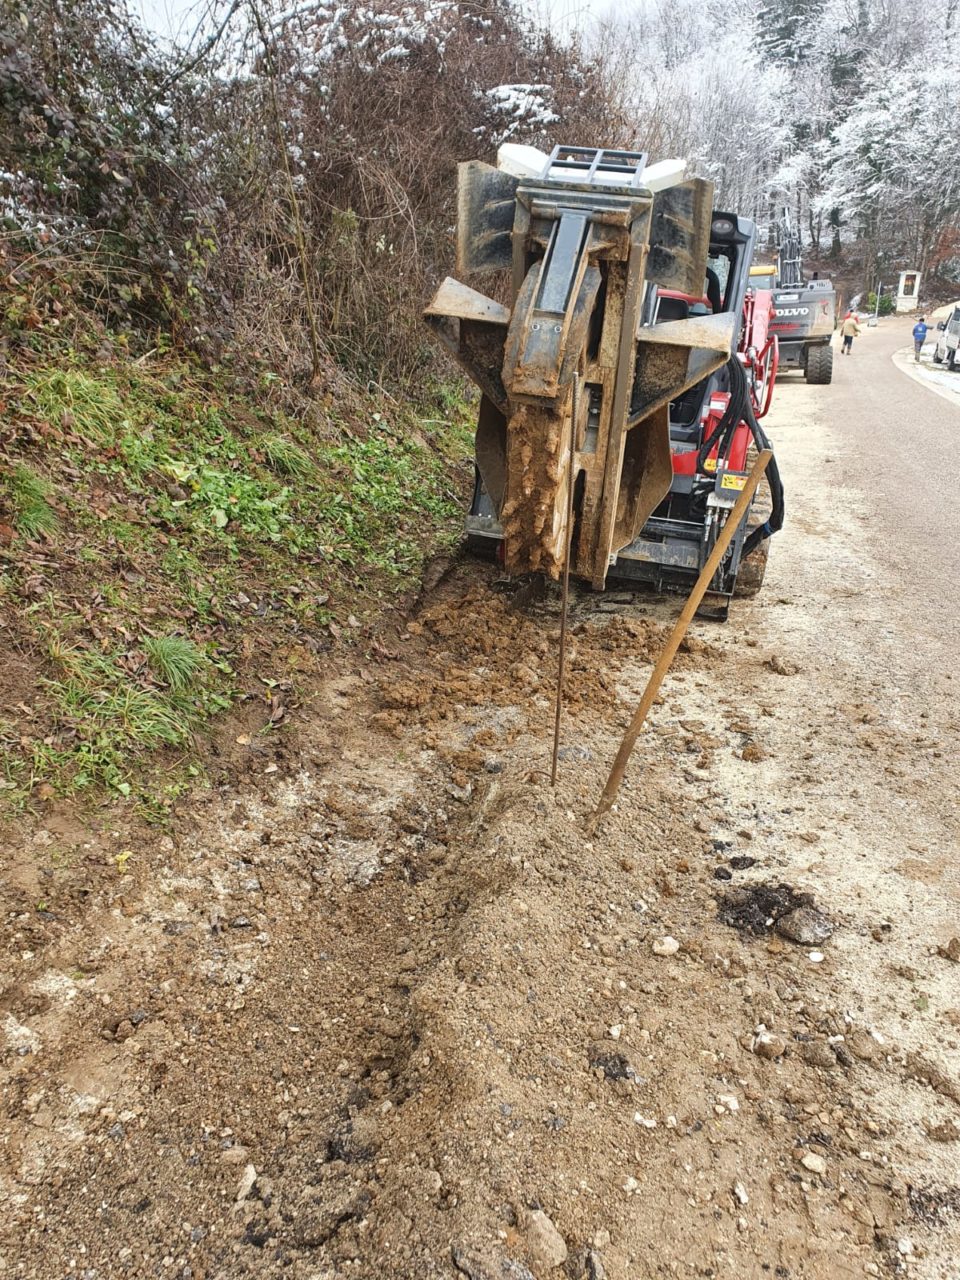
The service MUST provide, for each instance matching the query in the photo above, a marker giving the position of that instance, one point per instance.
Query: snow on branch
(518, 108)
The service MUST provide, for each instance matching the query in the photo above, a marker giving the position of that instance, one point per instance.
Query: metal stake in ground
(734, 520)
(571, 471)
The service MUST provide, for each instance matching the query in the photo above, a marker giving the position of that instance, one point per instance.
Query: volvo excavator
(805, 309)
(623, 380)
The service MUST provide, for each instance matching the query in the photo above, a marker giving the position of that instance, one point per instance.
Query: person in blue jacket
(919, 337)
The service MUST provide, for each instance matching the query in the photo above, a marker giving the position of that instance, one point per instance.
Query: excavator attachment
(588, 237)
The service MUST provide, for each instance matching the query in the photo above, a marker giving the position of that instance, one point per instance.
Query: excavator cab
(763, 276)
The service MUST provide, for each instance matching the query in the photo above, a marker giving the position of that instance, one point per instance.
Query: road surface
(897, 437)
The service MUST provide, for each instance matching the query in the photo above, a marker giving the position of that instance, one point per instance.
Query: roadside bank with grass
(175, 542)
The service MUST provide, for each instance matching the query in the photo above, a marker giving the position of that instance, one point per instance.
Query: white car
(948, 337)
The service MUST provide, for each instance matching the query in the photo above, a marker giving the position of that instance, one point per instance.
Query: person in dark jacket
(919, 337)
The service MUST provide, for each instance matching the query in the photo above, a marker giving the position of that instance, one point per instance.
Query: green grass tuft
(175, 661)
(191, 507)
(68, 398)
(106, 718)
(383, 492)
(30, 498)
(285, 457)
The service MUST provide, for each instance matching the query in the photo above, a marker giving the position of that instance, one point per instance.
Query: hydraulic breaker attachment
(588, 237)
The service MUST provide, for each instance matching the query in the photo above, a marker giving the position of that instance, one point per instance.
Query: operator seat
(684, 412)
(672, 309)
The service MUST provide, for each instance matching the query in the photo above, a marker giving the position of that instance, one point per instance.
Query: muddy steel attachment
(588, 237)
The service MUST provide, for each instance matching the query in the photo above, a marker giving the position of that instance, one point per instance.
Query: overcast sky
(171, 17)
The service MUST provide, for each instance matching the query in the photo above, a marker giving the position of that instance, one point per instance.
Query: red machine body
(758, 352)
(759, 349)
(715, 432)
(684, 463)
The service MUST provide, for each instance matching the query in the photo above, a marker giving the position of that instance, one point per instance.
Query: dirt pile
(479, 649)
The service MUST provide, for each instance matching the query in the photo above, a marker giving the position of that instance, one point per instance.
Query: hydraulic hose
(740, 409)
(774, 523)
(733, 413)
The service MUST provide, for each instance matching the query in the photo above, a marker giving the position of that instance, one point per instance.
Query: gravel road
(384, 1010)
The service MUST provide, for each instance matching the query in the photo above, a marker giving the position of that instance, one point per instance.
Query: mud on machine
(625, 282)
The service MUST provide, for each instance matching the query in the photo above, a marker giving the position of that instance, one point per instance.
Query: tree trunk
(815, 225)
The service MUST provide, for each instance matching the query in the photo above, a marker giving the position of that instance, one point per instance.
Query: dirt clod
(945, 1132)
(782, 666)
(755, 909)
(919, 1068)
(767, 1045)
(818, 1053)
(862, 1045)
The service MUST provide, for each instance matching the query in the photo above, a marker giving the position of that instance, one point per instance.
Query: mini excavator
(631, 340)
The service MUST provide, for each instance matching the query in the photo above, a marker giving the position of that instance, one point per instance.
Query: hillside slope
(176, 543)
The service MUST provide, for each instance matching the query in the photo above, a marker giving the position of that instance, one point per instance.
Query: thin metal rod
(733, 522)
(574, 416)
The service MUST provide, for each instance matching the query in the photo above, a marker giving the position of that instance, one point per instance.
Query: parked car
(948, 338)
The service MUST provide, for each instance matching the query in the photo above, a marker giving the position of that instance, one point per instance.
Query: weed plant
(29, 495)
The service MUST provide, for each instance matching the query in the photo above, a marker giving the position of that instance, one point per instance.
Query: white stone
(18, 1036)
(544, 1241)
(247, 1180)
(666, 946)
(815, 1163)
